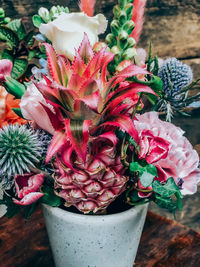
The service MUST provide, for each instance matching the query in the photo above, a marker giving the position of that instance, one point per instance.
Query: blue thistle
(175, 76)
(20, 148)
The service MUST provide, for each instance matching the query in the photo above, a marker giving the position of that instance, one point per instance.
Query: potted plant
(89, 144)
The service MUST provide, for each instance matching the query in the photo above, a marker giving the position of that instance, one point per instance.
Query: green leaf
(136, 167)
(146, 179)
(9, 36)
(150, 168)
(37, 21)
(166, 203)
(18, 27)
(7, 54)
(167, 189)
(31, 54)
(19, 67)
(49, 197)
(28, 39)
(18, 112)
(28, 210)
(14, 87)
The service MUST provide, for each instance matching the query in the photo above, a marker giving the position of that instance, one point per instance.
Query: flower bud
(114, 27)
(129, 26)
(129, 53)
(122, 3)
(98, 46)
(116, 10)
(2, 13)
(129, 11)
(7, 20)
(110, 39)
(123, 35)
(44, 14)
(131, 42)
(122, 17)
(115, 50)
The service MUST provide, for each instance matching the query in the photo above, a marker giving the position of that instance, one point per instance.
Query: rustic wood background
(173, 26)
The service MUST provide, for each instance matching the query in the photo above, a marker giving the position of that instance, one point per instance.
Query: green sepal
(49, 197)
(14, 87)
(19, 67)
(18, 112)
(9, 36)
(129, 11)
(17, 26)
(37, 21)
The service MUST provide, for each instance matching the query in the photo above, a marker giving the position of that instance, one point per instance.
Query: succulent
(20, 149)
(175, 76)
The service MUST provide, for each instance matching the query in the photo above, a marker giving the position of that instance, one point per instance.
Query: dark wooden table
(164, 243)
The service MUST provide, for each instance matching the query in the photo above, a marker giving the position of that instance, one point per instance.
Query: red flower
(27, 187)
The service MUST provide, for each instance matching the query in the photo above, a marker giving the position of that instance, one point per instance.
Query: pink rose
(182, 160)
(27, 187)
(153, 148)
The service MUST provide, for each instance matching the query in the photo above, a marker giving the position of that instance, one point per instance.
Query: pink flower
(182, 160)
(27, 187)
(153, 148)
(32, 108)
(5, 68)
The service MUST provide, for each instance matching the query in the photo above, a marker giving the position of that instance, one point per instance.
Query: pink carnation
(182, 160)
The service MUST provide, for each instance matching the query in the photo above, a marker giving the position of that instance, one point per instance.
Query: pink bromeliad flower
(173, 155)
(88, 107)
(27, 187)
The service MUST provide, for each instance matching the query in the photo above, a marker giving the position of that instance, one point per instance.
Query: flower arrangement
(83, 131)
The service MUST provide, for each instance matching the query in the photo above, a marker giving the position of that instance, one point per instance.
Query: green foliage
(14, 87)
(49, 197)
(18, 27)
(19, 67)
(9, 36)
(164, 194)
(146, 172)
(3, 20)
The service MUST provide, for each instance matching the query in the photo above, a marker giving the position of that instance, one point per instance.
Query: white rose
(67, 31)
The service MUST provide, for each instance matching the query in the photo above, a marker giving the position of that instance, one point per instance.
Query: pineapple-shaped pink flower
(88, 107)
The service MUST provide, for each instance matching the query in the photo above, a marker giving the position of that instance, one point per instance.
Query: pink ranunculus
(182, 160)
(32, 109)
(27, 187)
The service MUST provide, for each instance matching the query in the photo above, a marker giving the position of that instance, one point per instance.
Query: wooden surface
(164, 243)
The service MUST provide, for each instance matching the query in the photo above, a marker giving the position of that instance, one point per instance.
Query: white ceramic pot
(94, 240)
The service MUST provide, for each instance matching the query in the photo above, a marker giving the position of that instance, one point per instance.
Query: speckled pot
(94, 240)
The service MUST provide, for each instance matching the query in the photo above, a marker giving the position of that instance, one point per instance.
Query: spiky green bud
(114, 27)
(129, 11)
(129, 26)
(20, 148)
